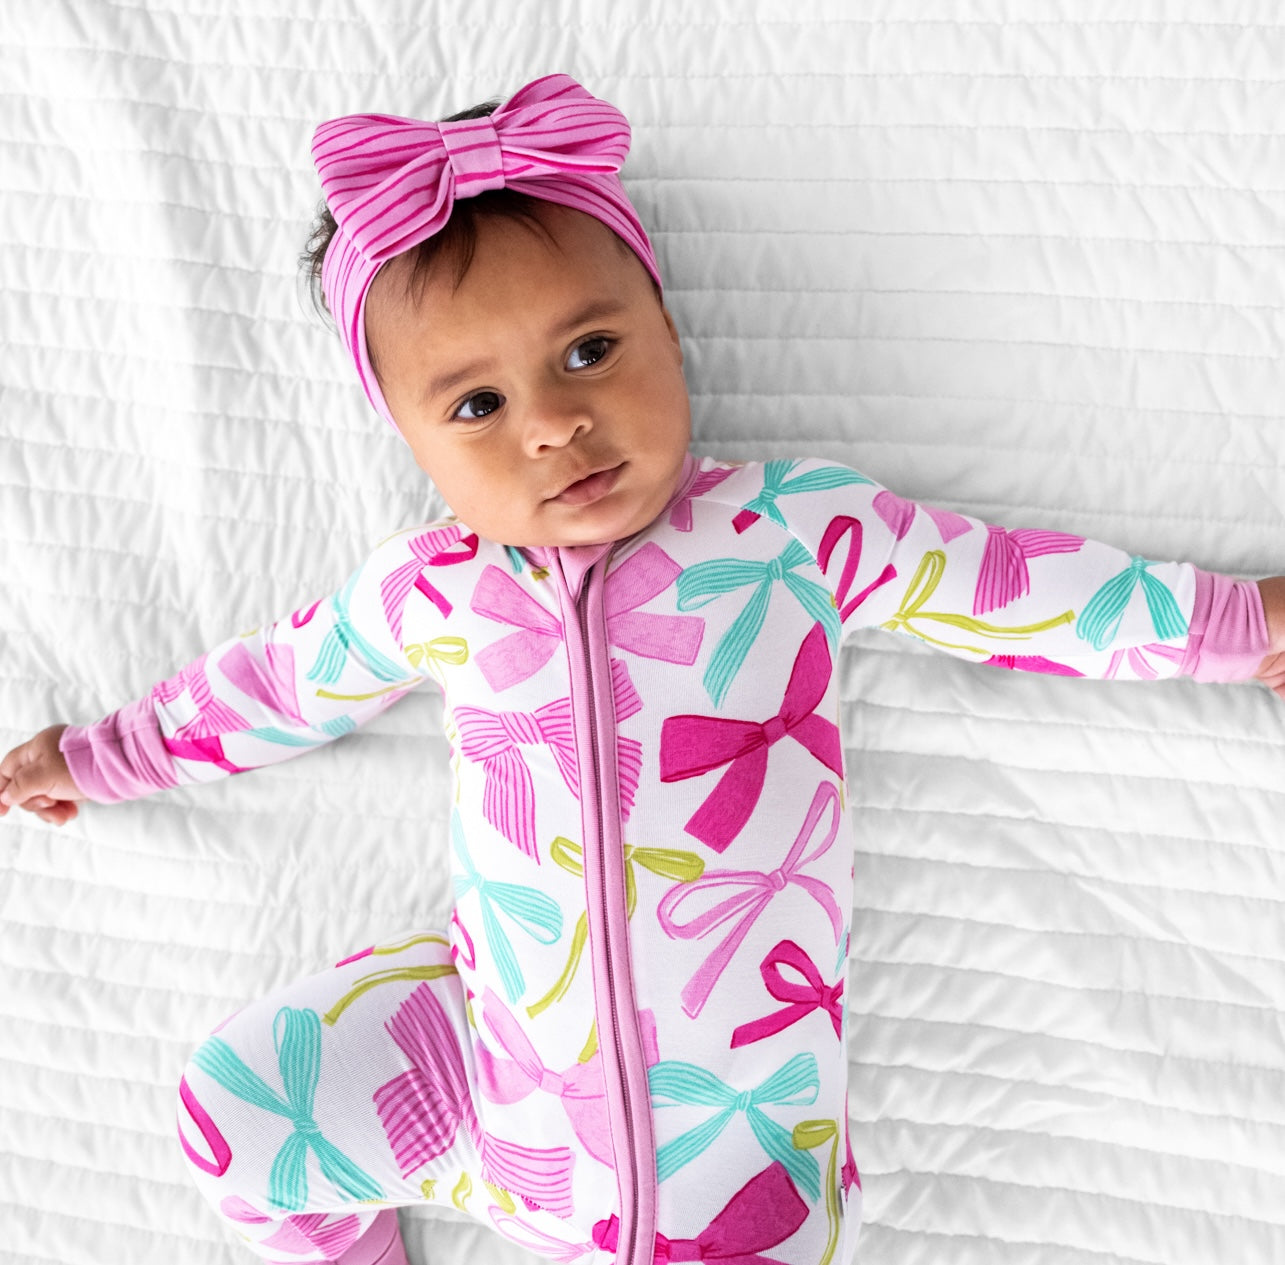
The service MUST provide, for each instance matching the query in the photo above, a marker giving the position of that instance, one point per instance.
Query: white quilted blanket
(1023, 261)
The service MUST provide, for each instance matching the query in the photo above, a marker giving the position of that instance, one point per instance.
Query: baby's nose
(556, 419)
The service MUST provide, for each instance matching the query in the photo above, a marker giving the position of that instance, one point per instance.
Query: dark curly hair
(457, 241)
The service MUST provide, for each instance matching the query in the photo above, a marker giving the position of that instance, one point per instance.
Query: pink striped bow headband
(391, 183)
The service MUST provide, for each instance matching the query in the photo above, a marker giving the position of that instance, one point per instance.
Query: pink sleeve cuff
(1228, 636)
(122, 756)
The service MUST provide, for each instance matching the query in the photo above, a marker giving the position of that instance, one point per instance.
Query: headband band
(392, 182)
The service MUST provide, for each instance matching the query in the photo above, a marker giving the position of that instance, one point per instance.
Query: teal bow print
(700, 584)
(335, 727)
(775, 483)
(297, 1035)
(538, 914)
(343, 639)
(793, 1085)
(1100, 619)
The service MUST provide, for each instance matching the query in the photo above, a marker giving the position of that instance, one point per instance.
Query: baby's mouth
(591, 488)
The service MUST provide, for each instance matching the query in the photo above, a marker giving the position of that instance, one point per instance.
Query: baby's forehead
(478, 251)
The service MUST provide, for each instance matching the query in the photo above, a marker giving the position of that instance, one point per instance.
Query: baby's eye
(479, 405)
(589, 353)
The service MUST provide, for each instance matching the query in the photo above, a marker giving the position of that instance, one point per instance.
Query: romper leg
(311, 1113)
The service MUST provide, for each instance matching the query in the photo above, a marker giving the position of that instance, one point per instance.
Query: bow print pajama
(629, 1042)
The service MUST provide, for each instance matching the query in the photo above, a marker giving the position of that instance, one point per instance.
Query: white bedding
(1023, 261)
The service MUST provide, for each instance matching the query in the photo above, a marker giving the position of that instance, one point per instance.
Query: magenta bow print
(493, 738)
(440, 547)
(763, 1213)
(580, 1088)
(752, 892)
(1003, 576)
(1030, 663)
(839, 527)
(693, 745)
(637, 580)
(803, 999)
(220, 1152)
(423, 1108)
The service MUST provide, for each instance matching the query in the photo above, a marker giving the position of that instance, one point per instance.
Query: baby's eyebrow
(596, 310)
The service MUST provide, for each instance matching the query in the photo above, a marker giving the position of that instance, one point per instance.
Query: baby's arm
(1026, 599)
(253, 700)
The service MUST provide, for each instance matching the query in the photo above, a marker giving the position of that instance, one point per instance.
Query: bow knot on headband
(392, 182)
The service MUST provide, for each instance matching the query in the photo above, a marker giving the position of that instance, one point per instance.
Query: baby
(629, 1042)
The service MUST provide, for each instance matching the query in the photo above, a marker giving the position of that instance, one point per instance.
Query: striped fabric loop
(297, 1036)
(392, 182)
(476, 159)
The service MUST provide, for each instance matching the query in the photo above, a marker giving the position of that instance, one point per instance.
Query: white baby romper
(629, 1042)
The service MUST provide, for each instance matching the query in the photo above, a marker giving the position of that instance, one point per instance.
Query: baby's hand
(34, 776)
(1272, 669)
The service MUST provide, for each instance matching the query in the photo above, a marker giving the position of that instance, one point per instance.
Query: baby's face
(552, 361)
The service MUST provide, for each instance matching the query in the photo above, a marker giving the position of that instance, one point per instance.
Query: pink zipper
(619, 1034)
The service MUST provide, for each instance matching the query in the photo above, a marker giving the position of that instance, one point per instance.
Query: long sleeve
(1025, 598)
(270, 694)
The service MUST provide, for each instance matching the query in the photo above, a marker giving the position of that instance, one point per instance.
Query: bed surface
(1025, 262)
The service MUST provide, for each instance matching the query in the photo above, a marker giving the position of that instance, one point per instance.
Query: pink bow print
(764, 1212)
(441, 547)
(641, 577)
(1003, 576)
(301, 1233)
(692, 745)
(898, 513)
(680, 517)
(755, 893)
(1136, 657)
(493, 738)
(521, 654)
(423, 1108)
(274, 688)
(580, 1087)
(815, 994)
(536, 1240)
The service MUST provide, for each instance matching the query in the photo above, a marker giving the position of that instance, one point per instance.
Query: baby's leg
(345, 1093)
